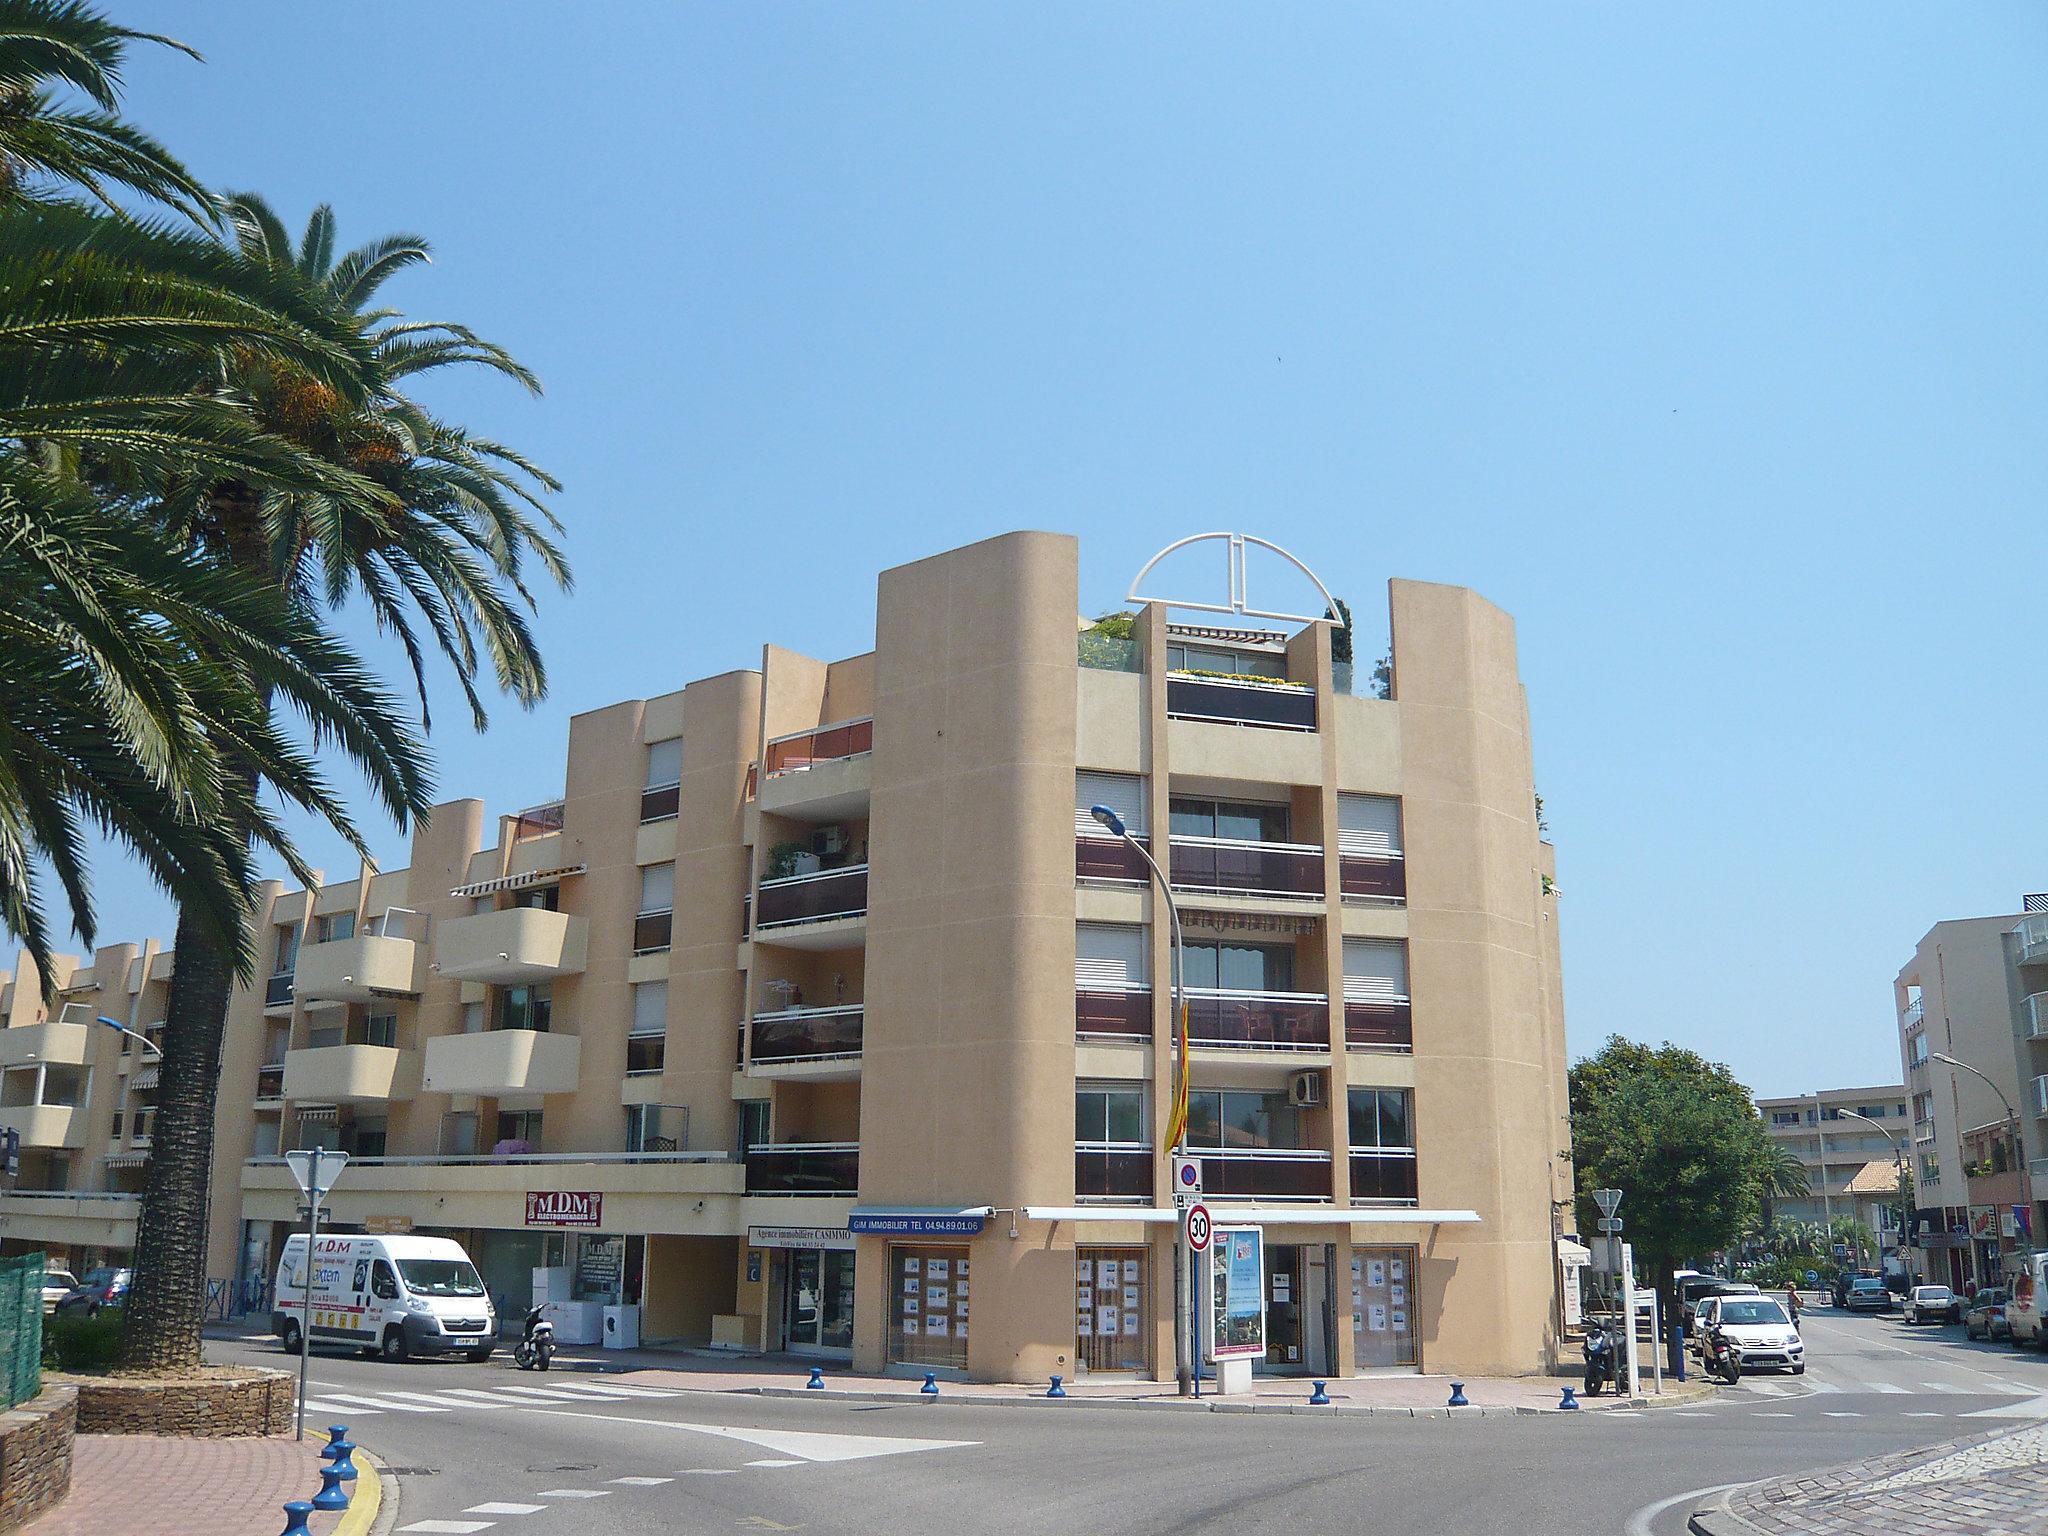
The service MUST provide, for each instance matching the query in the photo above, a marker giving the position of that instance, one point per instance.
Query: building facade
(1836, 1149)
(769, 1028)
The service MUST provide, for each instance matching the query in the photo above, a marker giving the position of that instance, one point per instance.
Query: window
(458, 1133)
(381, 1029)
(472, 1018)
(660, 795)
(1369, 826)
(521, 1128)
(368, 1136)
(287, 948)
(1784, 1117)
(1123, 793)
(320, 1037)
(753, 1125)
(1184, 657)
(383, 1283)
(1232, 1120)
(1238, 820)
(1930, 1168)
(1382, 1119)
(1110, 957)
(652, 927)
(1241, 967)
(332, 926)
(543, 898)
(526, 1007)
(1106, 1116)
(1375, 971)
(646, 1040)
(656, 1127)
(1920, 1049)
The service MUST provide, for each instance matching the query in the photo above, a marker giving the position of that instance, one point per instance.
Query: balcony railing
(1107, 1015)
(1098, 856)
(1106, 1172)
(1379, 1023)
(827, 744)
(1916, 1010)
(1265, 1173)
(1923, 1130)
(807, 1034)
(1373, 877)
(810, 1168)
(537, 821)
(645, 1053)
(1243, 701)
(1383, 1174)
(277, 992)
(2041, 1095)
(2037, 1016)
(1231, 866)
(1260, 1021)
(659, 802)
(496, 1159)
(814, 898)
(2033, 938)
(270, 1080)
(651, 932)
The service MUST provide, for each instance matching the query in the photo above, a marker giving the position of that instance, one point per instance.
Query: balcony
(1124, 1015)
(1915, 1012)
(501, 1061)
(51, 1127)
(1227, 866)
(270, 1081)
(277, 993)
(792, 1035)
(802, 750)
(1383, 1024)
(1377, 878)
(1923, 1130)
(2032, 934)
(513, 946)
(350, 1074)
(1106, 1172)
(51, 1044)
(809, 1168)
(2037, 1016)
(361, 969)
(1266, 1173)
(2039, 1094)
(1098, 856)
(69, 1218)
(1258, 1021)
(1384, 1176)
(795, 901)
(1240, 701)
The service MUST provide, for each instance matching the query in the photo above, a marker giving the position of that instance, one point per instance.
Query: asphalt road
(476, 1449)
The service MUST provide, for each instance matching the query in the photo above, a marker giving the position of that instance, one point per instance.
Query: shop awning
(1256, 1215)
(519, 882)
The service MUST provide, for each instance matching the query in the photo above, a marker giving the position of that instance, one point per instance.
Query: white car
(57, 1284)
(1933, 1304)
(1760, 1333)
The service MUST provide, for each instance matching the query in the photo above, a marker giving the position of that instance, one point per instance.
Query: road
(476, 1448)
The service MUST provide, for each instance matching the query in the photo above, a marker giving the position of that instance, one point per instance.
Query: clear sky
(1707, 341)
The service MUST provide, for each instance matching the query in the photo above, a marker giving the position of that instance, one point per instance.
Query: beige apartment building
(1849, 1140)
(767, 1032)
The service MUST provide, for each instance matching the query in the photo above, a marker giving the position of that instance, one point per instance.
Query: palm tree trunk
(164, 1316)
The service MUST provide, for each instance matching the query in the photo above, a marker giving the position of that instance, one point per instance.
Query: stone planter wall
(214, 1407)
(35, 1455)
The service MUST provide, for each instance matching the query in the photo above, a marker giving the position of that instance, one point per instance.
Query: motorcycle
(1718, 1357)
(1602, 1368)
(536, 1346)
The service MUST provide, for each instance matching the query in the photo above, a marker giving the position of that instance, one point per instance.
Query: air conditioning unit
(1305, 1090)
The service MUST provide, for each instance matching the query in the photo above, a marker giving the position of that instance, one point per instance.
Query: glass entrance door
(817, 1314)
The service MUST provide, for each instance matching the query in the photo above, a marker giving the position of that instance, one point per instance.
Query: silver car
(1933, 1304)
(1761, 1333)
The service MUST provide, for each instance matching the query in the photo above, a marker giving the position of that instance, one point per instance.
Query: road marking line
(449, 1527)
(578, 1389)
(808, 1444)
(771, 1461)
(1841, 1414)
(323, 1408)
(1764, 1414)
(377, 1402)
(545, 1394)
(1924, 1413)
(643, 1482)
(1639, 1522)
(1769, 1388)
(504, 1509)
(621, 1387)
(1942, 1386)
(1822, 1387)
(466, 1395)
(442, 1402)
(574, 1493)
(1889, 1388)
(706, 1471)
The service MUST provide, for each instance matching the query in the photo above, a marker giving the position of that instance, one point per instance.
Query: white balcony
(50, 1127)
(2036, 1007)
(70, 1219)
(499, 1062)
(361, 969)
(350, 1074)
(517, 945)
(54, 1044)
(2032, 934)
(2039, 1094)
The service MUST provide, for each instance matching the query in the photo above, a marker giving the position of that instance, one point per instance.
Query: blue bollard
(343, 1463)
(931, 1384)
(1678, 1348)
(1571, 1400)
(1319, 1398)
(1458, 1398)
(295, 1518)
(330, 1495)
(817, 1381)
(336, 1434)
(1056, 1390)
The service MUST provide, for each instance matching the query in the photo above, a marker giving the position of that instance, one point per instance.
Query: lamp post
(1898, 1167)
(1185, 1364)
(2019, 1146)
(116, 1026)
(1820, 1136)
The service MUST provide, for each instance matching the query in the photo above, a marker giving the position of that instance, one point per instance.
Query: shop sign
(1984, 1222)
(800, 1237)
(1236, 1293)
(907, 1224)
(387, 1223)
(564, 1208)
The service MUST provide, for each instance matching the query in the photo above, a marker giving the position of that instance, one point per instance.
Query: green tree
(1785, 1178)
(1680, 1137)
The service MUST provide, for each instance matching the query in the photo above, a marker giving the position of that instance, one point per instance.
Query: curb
(1161, 1405)
(1715, 1518)
(368, 1501)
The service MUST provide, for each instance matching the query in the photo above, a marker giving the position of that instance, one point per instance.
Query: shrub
(82, 1343)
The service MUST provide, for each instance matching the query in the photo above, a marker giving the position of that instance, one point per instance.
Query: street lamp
(1898, 1166)
(1184, 1363)
(116, 1026)
(2019, 1146)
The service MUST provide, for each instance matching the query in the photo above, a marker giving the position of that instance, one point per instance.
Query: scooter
(536, 1346)
(1718, 1357)
(1601, 1368)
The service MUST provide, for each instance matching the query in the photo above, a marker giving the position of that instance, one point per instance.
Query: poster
(1400, 1322)
(910, 1285)
(1105, 1322)
(1085, 1323)
(1357, 1298)
(1376, 1318)
(960, 1328)
(1084, 1271)
(1130, 1297)
(938, 1268)
(1398, 1269)
(960, 1290)
(1130, 1271)
(1376, 1273)
(910, 1306)
(1084, 1298)
(960, 1270)
(935, 1326)
(1283, 1287)
(1236, 1292)
(912, 1265)
(1399, 1296)
(960, 1307)
(937, 1296)
(1130, 1325)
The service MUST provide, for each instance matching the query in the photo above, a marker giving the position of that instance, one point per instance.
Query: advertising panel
(1236, 1293)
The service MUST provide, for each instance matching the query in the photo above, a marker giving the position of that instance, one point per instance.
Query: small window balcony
(804, 1168)
(1265, 1173)
(1111, 1171)
(1379, 1024)
(1377, 879)
(1249, 701)
(277, 993)
(795, 901)
(789, 1036)
(1226, 866)
(1383, 1176)
(1258, 1021)
(46, 1127)
(2036, 1007)
(1122, 1015)
(2032, 934)
(1100, 858)
(2040, 1095)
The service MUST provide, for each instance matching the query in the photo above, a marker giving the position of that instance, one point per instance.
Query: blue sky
(1708, 343)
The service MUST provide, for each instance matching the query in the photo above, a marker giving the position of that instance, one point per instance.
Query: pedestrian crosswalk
(325, 1402)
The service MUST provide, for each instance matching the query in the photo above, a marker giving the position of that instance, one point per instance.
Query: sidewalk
(182, 1487)
(1995, 1483)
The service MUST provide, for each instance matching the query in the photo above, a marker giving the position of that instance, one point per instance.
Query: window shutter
(1375, 970)
(1109, 957)
(1369, 825)
(1123, 793)
(650, 1008)
(657, 887)
(664, 762)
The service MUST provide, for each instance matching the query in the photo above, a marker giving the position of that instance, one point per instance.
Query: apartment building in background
(1849, 1162)
(819, 1015)
(1970, 993)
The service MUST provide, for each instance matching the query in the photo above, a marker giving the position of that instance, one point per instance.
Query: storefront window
(1110, 1310)
(1383, 1307)
(928, 1306)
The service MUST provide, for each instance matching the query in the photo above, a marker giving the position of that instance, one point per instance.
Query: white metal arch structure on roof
(1240, 602)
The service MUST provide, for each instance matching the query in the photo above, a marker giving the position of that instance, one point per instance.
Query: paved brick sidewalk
(1988, 1485)
(180, 1487)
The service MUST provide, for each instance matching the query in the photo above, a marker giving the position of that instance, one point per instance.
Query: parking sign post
(306, 1169)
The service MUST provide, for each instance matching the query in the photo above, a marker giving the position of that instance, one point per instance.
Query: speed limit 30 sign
(1198, 1227)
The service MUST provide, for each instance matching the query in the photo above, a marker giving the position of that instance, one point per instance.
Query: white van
(2027, 1281)
(394, 1296)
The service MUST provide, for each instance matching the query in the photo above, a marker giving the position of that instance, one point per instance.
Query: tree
(1680, 1137)
(1785, 1178)
(431, 527)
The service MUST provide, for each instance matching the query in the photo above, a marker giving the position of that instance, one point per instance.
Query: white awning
(1256, 1215)
(519, 882)
(1573, 1253)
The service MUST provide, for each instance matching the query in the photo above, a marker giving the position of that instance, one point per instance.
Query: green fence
(21, 1327)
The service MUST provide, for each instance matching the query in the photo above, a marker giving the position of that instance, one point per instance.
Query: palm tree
(432, 527)
(46, 148)
(1785, 1177)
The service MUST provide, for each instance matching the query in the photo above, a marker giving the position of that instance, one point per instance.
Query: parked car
(1868, 1294)
(1933, 1304)
(1984, 1318)
(2023, 1310)
(1760, 1331)
(1719, 1287)
(397, 1296)
(100, 1288)
(57, 1284)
